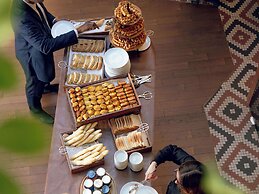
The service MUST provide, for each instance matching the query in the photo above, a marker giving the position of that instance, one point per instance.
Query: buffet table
(59, 178)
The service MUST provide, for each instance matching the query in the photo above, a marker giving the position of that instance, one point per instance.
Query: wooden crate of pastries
(82, 148)
(103, 100)
(127, 135)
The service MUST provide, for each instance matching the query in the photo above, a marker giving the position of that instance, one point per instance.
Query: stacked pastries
(128, 31)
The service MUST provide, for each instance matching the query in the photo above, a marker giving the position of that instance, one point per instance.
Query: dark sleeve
(172, 153)
(43, 42)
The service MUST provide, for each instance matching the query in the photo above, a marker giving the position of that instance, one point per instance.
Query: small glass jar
(87, 191)
(91, 174)
(100, 172)
(106, 180)
(97, 192)
(88, 184)
(98, 183)
(105, 189)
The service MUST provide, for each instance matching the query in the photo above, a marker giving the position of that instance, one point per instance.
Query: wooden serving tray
(69, 54)
(68, 153)
(135, 109)
(140, 149)
(113, 189)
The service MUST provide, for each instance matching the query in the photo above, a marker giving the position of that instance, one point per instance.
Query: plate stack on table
(128, 31)
(85, 62)
(116, 62)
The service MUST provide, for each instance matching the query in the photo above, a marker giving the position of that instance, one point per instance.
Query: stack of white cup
(116, 62)
(135, 160)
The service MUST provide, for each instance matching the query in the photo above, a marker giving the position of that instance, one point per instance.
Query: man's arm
(172, 153)
(44, 43)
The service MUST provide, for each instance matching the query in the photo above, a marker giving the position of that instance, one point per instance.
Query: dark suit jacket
(176, 155)
(34, 44)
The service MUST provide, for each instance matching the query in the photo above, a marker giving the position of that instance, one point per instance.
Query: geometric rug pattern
(228, 111)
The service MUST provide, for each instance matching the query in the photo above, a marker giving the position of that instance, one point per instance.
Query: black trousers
(34, 89)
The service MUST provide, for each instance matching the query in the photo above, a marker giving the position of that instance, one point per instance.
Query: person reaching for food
(188, 175)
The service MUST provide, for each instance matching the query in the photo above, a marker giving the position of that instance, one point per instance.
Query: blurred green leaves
(8, 77)
(5, 24)
(213, 183)
(7, 185)
(23, 135)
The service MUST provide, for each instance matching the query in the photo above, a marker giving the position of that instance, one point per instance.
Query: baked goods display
(79, 78)
(100, 99)
(86, 62)
(127, 13)
(89, 155)
(83, 135)
(89, 45)
(124, 124)
(128, 31)
(132, 140)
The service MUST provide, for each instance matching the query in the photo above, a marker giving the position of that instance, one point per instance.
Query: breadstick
(91, 136)
(74, 134)
(97, 136)
(101, 156)
(94, 124)
(81, 157)
(75, 139)
(84, 151)
(86, 134)
(84, 162)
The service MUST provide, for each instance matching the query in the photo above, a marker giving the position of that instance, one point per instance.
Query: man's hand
(86, 27)
(151, 172)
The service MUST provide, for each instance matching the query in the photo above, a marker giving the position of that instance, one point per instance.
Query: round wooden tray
(113, 189)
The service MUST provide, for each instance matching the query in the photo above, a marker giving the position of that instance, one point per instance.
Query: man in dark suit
(34, 48)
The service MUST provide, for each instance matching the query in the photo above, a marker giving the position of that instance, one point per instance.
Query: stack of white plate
(116, 62)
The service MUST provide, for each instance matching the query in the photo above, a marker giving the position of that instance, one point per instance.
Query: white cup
(136, 161)
(121, 159)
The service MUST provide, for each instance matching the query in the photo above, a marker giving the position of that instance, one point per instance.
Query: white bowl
(121, 159)
(136, 161)
(61, 27)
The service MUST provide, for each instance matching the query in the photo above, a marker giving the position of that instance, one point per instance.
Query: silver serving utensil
(147, 95)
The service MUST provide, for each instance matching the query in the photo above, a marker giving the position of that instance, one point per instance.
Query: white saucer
(61, 27)
(146, 190)
(146, 45)
(128, 186)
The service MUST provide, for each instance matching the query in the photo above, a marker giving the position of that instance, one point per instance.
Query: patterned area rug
(228, 112)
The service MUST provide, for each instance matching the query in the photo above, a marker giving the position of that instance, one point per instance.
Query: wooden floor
(192, 60)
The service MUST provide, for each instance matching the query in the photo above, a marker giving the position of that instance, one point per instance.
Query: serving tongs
(138, 79)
